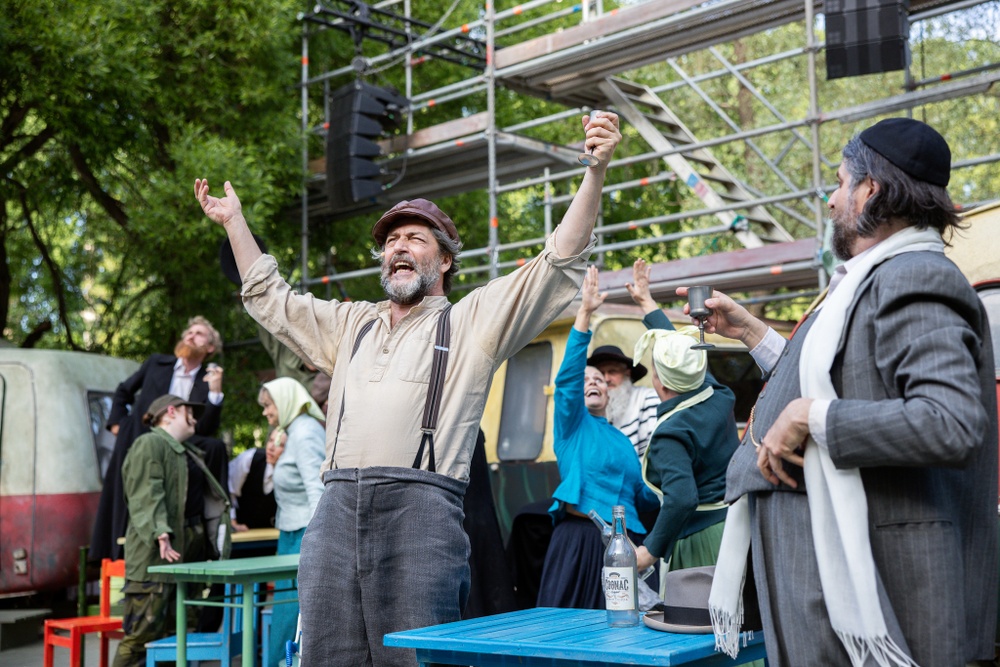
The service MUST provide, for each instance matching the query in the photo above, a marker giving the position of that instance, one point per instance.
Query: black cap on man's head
(415, 210)
(916, 148)
(161, 404)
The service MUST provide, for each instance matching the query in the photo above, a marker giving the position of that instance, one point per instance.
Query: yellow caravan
(976, 250)
(517, 421)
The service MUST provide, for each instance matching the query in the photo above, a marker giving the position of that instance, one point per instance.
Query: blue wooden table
(242, 571)
(562, 638)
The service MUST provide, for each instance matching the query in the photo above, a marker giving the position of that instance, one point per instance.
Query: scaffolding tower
(779, 230)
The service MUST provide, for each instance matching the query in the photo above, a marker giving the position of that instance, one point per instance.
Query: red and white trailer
(53, 451)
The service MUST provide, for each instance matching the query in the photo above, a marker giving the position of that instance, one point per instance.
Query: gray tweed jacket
(918, 416)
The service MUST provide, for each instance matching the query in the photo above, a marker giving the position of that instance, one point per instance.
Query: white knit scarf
(838, 506)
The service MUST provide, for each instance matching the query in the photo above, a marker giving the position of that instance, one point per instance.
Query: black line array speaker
(360, 114)
(865, 36)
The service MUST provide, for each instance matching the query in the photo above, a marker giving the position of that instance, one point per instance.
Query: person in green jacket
(155, 478)
(694, 438)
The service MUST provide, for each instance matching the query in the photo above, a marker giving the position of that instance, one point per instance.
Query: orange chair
(81, 626)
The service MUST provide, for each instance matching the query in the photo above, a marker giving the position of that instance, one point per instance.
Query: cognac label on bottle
(619, 588)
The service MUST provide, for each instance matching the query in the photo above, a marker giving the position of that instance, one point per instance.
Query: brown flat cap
(415, 210)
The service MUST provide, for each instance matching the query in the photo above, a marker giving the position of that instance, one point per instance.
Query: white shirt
(182, 383)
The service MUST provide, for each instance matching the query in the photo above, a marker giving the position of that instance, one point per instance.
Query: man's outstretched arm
(228, 212)
(578, 223)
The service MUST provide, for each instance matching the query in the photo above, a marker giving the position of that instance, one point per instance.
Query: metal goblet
(697, 309)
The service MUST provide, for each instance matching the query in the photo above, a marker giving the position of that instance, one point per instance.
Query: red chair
(81, 626)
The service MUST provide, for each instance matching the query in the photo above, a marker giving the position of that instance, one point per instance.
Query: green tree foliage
(108, 111)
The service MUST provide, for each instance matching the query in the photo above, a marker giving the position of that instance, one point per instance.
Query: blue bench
(222, 646)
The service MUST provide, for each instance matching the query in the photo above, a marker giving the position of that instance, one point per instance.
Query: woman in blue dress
(598, 468)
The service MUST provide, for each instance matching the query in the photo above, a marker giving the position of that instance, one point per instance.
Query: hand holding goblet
(588, 159)
(697, 309)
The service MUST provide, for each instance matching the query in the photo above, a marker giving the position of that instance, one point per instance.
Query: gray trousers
(384, 552)
(797, 630)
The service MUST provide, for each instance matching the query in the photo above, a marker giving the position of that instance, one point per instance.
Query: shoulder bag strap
(217, 529)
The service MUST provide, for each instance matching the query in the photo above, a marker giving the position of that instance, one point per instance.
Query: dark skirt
(571, 577)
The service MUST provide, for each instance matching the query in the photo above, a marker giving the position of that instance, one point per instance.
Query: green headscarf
(291, 399)
(679, 368)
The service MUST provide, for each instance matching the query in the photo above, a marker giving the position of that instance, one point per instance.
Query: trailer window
(990, 294)
(104, 442)
(525, 405)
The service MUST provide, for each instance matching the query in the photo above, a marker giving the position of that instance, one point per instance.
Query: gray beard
(618, 399)
(415, 290)
(845, 231)
(409, 293)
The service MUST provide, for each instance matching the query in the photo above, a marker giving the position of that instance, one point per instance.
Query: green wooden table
(242, 571)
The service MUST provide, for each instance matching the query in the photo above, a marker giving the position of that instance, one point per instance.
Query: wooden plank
(618, 21)
(428, 136)
(237, 570)
(770, 255)
(435, 134)
(255, 535)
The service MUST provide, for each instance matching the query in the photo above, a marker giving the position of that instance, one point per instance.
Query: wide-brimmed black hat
(611, 353)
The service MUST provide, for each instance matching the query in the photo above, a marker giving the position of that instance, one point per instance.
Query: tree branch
(36, 334)
(13, 119)
(27, 150)
(5, 278)
(111, 205)
(54, 270)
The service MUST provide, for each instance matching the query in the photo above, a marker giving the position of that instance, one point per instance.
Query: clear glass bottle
(602, 526)
(606, 531)
(620, 586)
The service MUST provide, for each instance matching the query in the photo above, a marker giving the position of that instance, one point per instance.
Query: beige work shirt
(388, 378)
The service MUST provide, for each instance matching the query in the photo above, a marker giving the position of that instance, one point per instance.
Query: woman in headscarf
(297, 486)
(694, 439)
(598, 469)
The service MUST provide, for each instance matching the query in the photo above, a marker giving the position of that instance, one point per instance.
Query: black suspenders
(435, 388)
(357, 343)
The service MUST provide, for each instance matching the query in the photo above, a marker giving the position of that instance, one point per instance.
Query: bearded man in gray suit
(865, 487)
